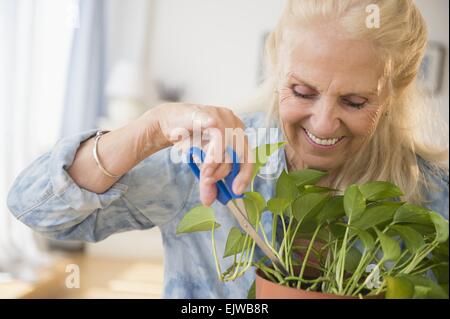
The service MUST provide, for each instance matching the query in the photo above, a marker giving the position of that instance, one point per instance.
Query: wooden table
(99, 278)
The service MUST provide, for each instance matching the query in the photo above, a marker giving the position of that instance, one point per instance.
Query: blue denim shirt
(157, 192)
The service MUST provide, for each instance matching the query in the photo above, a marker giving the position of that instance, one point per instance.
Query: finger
(214, 152)
(222, 171)
(208, 191)
(243, 179)
(199, 117)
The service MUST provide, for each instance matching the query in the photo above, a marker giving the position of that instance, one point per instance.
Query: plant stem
(274, 230)
(264, 270)
(364, 284)
(243, 253)
(293, 235)
(283, 252)
(395, 265)
(249, 261)
(341, 259)
(330, 267)
(419, 271)
(213, 243)
(306, 281)
(271, 271)
(248, 252)
(356, 274)
(370, 255)
(268, 243)
(311, 243)
(285, 241)
(327, 262)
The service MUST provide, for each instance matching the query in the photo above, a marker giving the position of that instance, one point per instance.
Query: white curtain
(35, 38)
(53, 65)
(84, 99)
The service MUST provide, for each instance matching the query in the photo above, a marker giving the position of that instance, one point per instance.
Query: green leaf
(258, 199)
(252, 291)
(332, 210)
(337, 230)
(409, 213)
(315, 189)
(252, 211)
(231, 269)
(441, 272)
(445, 287)
(390, 247)
(441, 226)
(421, 292)
(426, 230)
(413, 239)
(285, 187)
(262, 154)
(306, 176)
(426, 288)
(278, 205)
(308, 205)
(255, 205)
(364, 236)
(377, 214)
(378, 190)
(399, 288)
(199, 218)
(235, 242)
(307, 229)
(352, 258)
(441, 251)
(354, 202)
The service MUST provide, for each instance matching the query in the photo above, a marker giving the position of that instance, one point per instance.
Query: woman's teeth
(326, 142)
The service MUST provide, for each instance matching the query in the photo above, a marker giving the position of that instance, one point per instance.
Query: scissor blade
(248, 228)
(241, 206)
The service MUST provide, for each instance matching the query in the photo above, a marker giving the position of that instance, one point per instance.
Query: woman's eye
(304, 94)
(357, 105)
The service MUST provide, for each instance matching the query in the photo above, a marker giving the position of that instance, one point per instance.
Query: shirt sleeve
(45, 197)
(437, 198)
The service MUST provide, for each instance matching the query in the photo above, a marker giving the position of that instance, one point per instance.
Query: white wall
(211, 47)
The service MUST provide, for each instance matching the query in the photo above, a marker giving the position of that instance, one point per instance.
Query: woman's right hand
(177, 122)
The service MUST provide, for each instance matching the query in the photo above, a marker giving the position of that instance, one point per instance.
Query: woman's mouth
(322, 143)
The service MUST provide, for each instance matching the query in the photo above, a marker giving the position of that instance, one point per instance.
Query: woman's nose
(325, 119)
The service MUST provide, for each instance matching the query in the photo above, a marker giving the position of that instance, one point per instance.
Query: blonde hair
(396, 147)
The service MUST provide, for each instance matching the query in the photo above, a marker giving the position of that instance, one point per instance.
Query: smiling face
(330, 98)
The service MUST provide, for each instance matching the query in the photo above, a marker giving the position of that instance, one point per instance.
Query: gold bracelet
(94, 152)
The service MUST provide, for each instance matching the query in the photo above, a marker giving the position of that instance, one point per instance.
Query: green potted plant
(359, 243)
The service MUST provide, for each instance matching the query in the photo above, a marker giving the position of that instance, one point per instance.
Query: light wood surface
(99, 278)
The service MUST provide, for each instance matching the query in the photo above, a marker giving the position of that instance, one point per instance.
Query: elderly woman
(341, 90)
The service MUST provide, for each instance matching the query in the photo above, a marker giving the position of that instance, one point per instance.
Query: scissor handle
(224, 188)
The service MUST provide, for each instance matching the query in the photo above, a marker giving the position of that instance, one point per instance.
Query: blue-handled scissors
(235, 203)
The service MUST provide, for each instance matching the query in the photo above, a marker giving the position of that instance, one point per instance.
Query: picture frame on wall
(431, 72)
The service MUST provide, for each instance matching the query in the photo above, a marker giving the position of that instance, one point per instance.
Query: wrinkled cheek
(291, 120)
(366, 123)
(365, 133)
(290, 112)
(372, 125)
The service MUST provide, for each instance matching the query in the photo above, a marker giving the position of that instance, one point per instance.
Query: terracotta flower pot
(266, 289)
